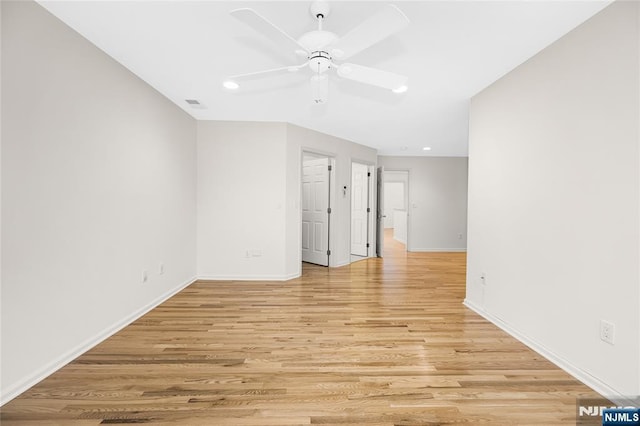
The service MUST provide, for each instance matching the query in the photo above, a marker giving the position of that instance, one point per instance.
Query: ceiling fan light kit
(321, 48)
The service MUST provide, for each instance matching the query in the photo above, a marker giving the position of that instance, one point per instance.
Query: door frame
(409, 208)
(310, 152)
(371, 233)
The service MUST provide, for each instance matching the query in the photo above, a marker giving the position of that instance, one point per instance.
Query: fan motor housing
(319, 61)
(316, 40)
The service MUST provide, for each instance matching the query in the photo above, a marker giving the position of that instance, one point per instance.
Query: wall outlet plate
(607, 332)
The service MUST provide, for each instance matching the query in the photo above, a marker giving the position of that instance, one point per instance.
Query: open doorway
(361, 223)
(396, 208)
(317, 176)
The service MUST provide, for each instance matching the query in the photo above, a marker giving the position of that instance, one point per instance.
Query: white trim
(431, 250)
(345, 263)
(64, 359)
(249, 277)
(578, 373)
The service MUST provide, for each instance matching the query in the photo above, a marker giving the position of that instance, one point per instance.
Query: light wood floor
(380, 342)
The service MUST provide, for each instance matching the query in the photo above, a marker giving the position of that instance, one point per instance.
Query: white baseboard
(578, 373)
(53, 366)
(285, 277)
(434, 250)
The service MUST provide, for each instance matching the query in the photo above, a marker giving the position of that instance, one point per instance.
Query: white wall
(394, 199)
(400, 225)
(344, 152)
(98, 184)
(3, 397)
(438, 201)
(249, 187)
(554, 201)
(398, 176)
(241, 200)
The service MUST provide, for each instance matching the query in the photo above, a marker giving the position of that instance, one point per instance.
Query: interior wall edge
(570, 368)
(56, 364)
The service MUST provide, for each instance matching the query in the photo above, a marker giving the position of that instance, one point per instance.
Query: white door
(380, 212)
(359, 209)
(315, 211)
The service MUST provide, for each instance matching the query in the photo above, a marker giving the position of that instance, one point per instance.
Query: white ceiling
(450, 51)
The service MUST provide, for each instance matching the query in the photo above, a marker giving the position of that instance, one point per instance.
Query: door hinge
(328, 252)
(367, 245)
(368, 210)
(368, 174)
(329, 167)
(329, 210)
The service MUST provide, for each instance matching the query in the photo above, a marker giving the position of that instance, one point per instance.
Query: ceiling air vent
(194, 103)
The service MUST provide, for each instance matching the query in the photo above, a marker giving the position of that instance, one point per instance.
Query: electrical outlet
(161, 269)
(145, 276)
(607, 332)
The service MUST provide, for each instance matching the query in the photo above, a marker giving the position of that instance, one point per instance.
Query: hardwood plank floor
(379, 342)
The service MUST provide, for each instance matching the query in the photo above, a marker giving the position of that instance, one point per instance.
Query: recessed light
(404, 148)
(231, 85)
(400, 89)
(426, 148)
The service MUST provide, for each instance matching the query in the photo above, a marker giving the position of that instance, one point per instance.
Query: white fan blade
(386, 22)
(265, 73)
(265, 27)
(372, 76)
(319, 88)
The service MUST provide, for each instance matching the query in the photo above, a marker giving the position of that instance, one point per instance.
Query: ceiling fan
(321, 48)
